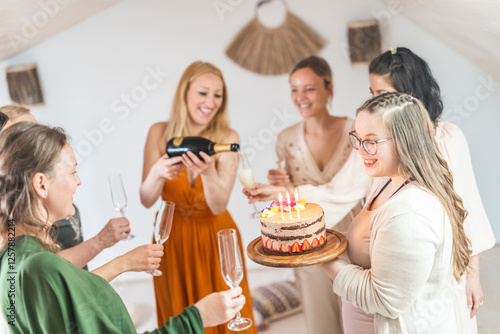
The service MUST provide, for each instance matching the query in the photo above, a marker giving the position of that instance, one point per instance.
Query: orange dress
(190, 265)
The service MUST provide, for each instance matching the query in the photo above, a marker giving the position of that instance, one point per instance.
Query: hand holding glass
(119, 196)
(245, 175)
(232, 270)
(163, 226)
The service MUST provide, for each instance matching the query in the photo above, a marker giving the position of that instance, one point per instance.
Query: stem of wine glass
(130, 236)
(255, 208)
(256, 213)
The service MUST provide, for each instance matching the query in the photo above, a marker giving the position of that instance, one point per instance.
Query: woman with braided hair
(401, 70)
(408, 243)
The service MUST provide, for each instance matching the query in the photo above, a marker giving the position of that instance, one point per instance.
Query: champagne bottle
(177, 146)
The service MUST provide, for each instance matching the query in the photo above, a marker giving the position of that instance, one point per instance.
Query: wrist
(473, 271)
(121, 265)
(201, 312)
(157, 173)
(98, 243)
(473, 265)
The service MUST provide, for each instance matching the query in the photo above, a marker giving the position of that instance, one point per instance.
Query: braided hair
(410, 74)
(408, 123)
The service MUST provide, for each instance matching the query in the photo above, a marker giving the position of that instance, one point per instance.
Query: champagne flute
(163, 226)
(281, 163)
(232, 270)
(245, 175)
(119, 196)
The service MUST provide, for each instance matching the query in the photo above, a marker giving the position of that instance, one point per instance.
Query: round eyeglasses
(369, 145)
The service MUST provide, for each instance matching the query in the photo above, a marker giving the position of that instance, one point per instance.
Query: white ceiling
(25, 23)
(471, 27)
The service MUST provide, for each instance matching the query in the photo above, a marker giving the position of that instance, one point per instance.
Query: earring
(46, 194)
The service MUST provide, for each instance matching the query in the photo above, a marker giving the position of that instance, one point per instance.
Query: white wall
(87, 69)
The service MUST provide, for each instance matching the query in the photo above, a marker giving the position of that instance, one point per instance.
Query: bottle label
(177, 141)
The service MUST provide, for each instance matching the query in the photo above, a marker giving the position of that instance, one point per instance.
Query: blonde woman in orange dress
(200, 189)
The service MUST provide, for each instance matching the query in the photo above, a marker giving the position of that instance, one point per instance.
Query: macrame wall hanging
(273, 51)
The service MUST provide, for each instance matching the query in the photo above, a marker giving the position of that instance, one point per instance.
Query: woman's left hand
(474, 292)
(196, 164)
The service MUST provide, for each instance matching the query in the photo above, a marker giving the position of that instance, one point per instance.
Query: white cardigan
(409, 287)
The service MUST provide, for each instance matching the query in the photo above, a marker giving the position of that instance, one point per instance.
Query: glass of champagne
(245, 175)
(119, 196)
(163, 226)
(280, 162)
(231, 267)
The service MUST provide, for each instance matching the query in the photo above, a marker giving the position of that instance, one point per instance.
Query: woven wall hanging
(273, 51)
(364, 42)
(24, 86)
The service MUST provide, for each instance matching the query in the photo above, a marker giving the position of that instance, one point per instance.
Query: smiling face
(204, 98)
(385, 161)
(62, 185)
(380, 84)
(309, 93)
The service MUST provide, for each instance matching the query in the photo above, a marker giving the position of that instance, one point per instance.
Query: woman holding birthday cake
(402, 271)
(401, 70)
(319, 161)
(200, 189)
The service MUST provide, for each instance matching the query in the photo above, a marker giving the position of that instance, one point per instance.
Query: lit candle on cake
(289, 206)
(281, 206)
(297, 202)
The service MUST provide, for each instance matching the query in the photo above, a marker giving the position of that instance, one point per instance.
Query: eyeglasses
(3, 120)
(369, 145)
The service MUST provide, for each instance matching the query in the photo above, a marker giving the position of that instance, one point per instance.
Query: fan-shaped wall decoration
(272, 51)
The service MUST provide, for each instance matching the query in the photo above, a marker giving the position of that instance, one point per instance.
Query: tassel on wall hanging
(273, 51)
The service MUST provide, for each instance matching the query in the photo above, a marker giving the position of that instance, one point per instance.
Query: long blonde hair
(178, 124)
(412, 131)
(26, 149)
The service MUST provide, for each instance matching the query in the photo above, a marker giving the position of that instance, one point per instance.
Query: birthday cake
(292, 229)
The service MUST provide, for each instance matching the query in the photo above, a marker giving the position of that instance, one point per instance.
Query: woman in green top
(76, 250)
(41, 292)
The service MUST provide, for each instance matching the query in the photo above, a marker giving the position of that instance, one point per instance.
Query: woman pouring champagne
(199, 186)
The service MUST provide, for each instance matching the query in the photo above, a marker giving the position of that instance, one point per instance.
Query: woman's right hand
(278, 177)
(167, 168)
(263, 192)
(220, 307)
(143, 258)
